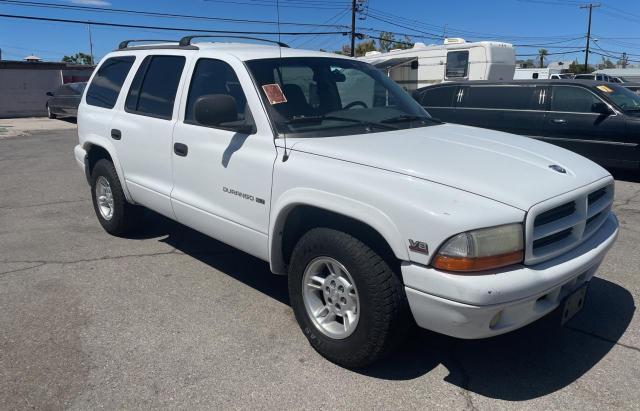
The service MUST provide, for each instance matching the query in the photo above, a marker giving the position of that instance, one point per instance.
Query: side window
(214, 77)
(535, 75)
(153, 90)
(438, 97)
(457, 64)
(573, 99)
(106, 84)
(500, 97)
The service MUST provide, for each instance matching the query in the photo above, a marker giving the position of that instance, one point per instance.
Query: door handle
(180, 149)
(116, 134)
(559, 121)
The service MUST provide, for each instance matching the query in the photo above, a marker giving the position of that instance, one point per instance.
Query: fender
(348, 207)
(96, 140)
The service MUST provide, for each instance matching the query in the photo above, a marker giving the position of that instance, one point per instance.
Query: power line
(99, 23)
(48, 5)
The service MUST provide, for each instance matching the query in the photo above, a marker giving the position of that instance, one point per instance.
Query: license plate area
(573, 303)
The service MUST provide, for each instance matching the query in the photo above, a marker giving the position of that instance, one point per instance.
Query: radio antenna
(285, 156)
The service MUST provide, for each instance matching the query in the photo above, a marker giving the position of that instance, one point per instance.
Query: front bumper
(80, 155)
(480, 306)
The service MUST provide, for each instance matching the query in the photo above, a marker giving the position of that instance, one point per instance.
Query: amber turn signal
(472, 264)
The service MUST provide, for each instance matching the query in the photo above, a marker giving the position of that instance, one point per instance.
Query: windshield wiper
(319, 119)
(409, 117)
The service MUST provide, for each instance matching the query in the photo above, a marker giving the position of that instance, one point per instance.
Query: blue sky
(558, 25)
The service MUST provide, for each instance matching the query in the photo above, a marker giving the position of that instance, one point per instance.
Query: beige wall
(23, 91)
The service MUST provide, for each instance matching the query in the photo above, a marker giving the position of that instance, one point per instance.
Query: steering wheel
(355, 103)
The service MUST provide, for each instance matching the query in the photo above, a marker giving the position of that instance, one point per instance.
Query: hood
(508, 168)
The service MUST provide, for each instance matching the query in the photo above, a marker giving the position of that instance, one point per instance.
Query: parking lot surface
(172, 319)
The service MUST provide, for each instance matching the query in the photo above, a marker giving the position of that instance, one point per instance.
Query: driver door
(222, 178)
(571, 123)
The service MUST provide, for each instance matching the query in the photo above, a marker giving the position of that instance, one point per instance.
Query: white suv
(325, 168)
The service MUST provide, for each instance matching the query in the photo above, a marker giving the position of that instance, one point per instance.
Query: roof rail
(124, 44)
(186, 41)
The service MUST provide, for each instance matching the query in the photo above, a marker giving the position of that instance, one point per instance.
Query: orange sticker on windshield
(274, 93)
(605, 89)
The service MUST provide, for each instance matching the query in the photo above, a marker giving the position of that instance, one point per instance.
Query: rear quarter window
(437, 97)
(106, 84)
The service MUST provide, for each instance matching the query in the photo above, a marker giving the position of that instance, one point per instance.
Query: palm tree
(542, 53)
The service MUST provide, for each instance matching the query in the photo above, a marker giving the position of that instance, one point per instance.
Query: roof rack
(124, 44)
(186, 41)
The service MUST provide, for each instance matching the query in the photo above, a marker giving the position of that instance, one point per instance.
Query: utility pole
(354, 8)
(90, 44)
(589, 6)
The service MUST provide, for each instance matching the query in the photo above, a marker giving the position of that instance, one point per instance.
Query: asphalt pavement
(172, 319)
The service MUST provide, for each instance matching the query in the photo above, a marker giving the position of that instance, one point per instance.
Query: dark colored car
(633, 86)
(64, 101)
(598, 120)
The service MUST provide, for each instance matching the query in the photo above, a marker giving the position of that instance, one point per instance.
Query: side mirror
(601, 108)
(50, 94)
(219, 110)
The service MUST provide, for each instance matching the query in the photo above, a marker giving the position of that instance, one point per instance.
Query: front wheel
(49, 113)
(349, 303)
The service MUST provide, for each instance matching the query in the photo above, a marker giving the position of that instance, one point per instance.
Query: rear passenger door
(142, 130)
(524, 109)
(572, 124)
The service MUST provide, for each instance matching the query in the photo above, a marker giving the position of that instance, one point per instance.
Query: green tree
(364, 46)
(406, 43)
(578, 68)
(542, 54)
(78, 58)
(387, 41)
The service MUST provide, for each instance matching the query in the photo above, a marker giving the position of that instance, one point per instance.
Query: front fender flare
(346, 206)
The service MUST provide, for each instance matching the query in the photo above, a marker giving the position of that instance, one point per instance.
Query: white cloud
(102, 3)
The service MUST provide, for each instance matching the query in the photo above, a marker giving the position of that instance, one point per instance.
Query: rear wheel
(349, 303)
(115, 214)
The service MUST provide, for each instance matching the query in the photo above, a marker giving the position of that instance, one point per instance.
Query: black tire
(50, 113)
(125, 216)
(384, 313)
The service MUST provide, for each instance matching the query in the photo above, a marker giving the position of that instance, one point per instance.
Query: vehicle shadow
(529, 363)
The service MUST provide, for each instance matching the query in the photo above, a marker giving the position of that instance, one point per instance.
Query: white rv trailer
(454, 60)
(536, 74)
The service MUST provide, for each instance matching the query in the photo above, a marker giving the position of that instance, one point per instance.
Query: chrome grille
(562, 223)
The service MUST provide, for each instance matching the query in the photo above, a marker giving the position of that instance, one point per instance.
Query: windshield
(624, 98)
(323, 96)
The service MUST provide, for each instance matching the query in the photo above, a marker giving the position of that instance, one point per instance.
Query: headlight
(482, 249)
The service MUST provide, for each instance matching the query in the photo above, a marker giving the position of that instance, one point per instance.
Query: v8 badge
(418, 246)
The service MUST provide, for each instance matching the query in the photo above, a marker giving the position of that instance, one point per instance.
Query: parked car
(633, 86)
(64, 101)
(562, 76)
(324, 167)
(598, 120)
(595, 77)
